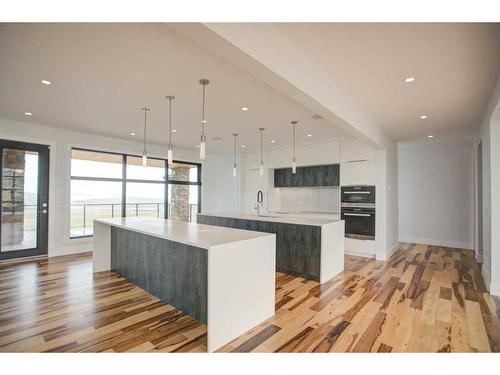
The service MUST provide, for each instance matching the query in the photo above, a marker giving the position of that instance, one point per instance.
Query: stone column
(179, 196)
(13, 197)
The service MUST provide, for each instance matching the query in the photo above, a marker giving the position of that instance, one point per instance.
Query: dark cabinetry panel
(171, 271)
(298, 247)
(318, 175)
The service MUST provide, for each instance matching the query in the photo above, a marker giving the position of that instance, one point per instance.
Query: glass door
(24, 180)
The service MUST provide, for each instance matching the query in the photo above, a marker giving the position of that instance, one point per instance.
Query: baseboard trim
(386, 256)
(486, 277)
(436, 242)
(495, 289)
(359, 254)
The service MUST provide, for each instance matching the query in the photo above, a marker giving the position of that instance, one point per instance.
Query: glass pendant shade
(202, 149)
(170, 152)
(203, 82)
(170, 155)
(234, 170)
(144, 152)
(294, 160)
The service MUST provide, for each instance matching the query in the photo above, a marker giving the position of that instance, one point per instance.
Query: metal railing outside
(91, 211)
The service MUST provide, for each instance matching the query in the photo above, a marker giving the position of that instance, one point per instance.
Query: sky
(84, 190)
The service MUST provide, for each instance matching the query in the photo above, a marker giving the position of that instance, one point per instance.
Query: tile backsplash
(304, 199)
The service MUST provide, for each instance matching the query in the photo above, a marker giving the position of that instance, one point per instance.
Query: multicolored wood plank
(423, 299)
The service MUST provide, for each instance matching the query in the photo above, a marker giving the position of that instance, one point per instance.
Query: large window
(107, 185)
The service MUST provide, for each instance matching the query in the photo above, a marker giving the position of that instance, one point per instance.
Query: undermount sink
(267, 216)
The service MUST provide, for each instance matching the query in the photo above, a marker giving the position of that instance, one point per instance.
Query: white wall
(490, 137)
(215, 183)
(387, 207)
(436, 201)
(220, 190)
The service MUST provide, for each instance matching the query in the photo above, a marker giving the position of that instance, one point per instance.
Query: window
(107, 185)
(183, 191)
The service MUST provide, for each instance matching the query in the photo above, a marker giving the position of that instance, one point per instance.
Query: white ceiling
(103, 74)
(455, 66)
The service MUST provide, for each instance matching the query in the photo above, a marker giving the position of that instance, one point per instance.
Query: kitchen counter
(223, 277)
(309, 247)
(277, 218)
(199, 235)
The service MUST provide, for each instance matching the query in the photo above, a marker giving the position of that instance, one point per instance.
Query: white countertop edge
(318, 222)
(203, 243)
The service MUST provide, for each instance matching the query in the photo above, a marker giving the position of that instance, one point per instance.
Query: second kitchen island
(308, 247)
(222, 277)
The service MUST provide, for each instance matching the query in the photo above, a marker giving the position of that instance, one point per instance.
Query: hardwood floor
(424, 299)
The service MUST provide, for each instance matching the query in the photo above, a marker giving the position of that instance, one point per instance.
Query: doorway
(24, 183)
(479, 167)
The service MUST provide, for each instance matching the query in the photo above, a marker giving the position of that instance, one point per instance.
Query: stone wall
(13, 197)
(179, 209)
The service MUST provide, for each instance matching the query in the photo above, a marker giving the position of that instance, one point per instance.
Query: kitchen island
(309, 247)
(222, 277)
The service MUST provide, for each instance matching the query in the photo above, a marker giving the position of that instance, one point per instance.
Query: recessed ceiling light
(273, 141)
(174, 130)
(28, 113)
(132, 133)
(423, 117)
(309, 135)
(317, 117)
(430, 136)
(244, 108)
(46, 82)
(410, 79)
(243, 146)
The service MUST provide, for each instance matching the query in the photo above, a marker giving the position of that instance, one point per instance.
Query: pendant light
(294, 160)
(144, 152)
(234, 155)
(203, 139)
(261, 166)
(170, 155)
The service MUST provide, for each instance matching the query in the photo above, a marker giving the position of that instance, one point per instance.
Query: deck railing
(83, 214)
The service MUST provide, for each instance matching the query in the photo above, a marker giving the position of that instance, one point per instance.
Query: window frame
(166, 182)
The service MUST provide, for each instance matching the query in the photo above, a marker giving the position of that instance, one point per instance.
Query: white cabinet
(313, 154)
(357, 173)
(354, 150)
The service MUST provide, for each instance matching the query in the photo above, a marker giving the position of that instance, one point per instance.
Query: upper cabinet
(354, 150)
(319, 175)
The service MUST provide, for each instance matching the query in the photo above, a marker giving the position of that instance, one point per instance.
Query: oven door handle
(357, 192)
(349, 214)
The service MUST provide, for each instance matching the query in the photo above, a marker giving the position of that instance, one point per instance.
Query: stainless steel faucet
(260, 200)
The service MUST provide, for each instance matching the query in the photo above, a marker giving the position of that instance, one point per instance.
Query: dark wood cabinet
(318, 175)
(298, 247)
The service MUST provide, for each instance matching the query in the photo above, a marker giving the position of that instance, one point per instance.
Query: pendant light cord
(293, 142)
(234, 154)
(145, 120)
(261, 148)
(170, 122)
(203, 113)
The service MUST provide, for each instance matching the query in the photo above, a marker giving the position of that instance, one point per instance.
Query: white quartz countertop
(198, 235)
(277, 218)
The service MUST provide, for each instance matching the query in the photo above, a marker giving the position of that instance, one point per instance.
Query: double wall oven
(358, 211)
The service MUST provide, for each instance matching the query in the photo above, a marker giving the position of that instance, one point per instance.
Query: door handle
(364, 215)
